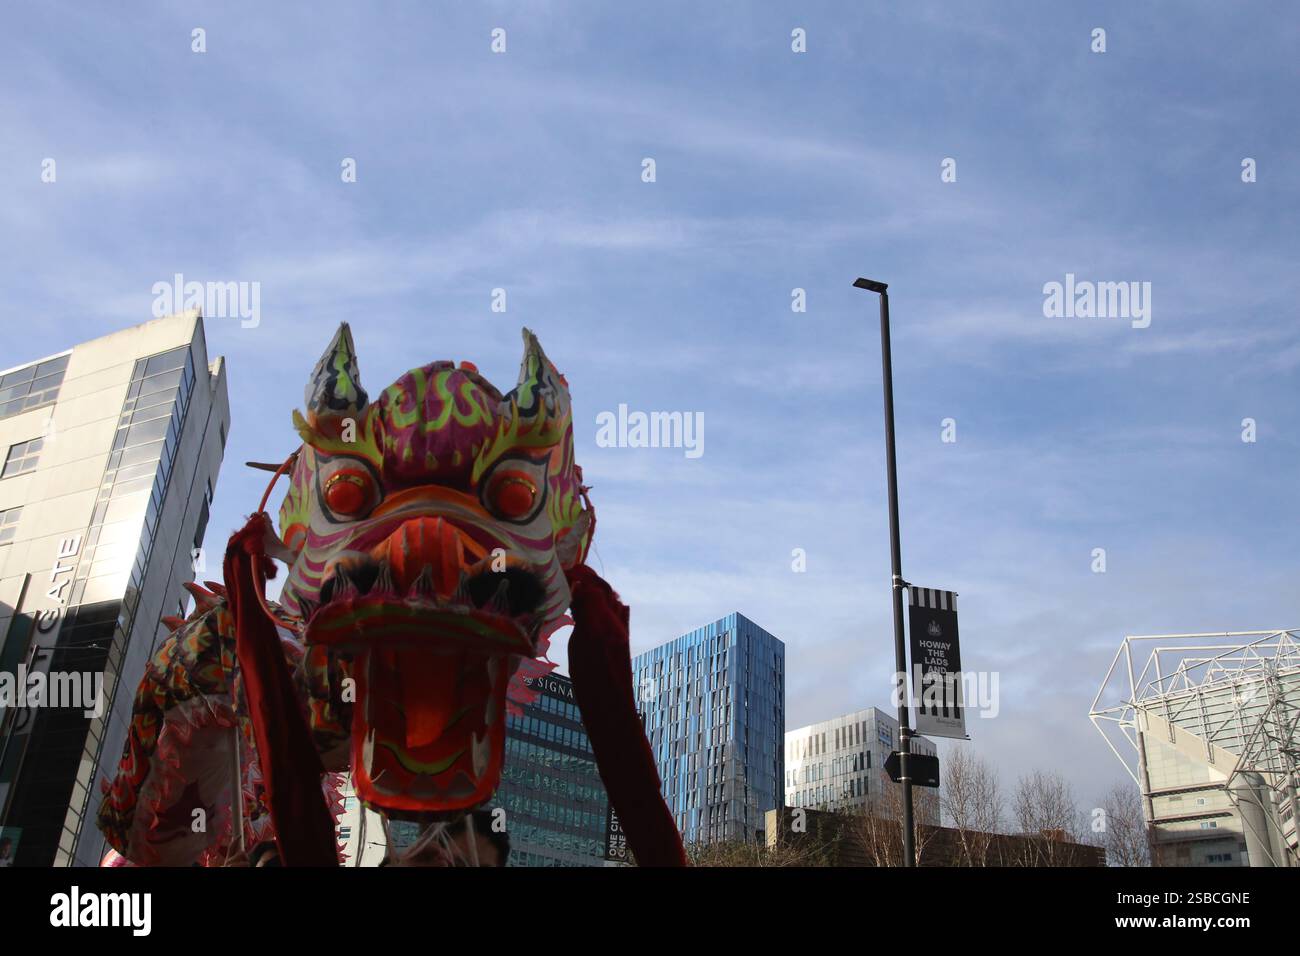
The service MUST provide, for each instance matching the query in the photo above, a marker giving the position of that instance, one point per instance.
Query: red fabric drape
(600, 663)
(291, 768)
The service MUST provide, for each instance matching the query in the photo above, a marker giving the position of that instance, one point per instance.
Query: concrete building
(839, 764)
(713, 705)
(110, 456)
(1206, 725)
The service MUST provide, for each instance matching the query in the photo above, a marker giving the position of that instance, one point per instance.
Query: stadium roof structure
(1237, 692)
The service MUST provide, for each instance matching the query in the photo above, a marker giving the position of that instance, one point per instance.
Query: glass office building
(110, 455)
(557, 812)
(713, 706)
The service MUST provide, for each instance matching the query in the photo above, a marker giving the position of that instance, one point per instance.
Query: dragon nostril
(363, 574)
(524, 592)
(481, 587)
(360, 573)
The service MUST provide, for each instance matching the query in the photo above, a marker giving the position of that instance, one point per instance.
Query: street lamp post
(896, 575)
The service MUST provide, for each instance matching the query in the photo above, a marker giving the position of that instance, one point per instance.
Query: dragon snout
(428, 543)
(434, 559)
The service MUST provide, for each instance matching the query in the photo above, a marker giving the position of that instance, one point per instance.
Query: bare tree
(880, 836)
(972, 801)
(1048, 818)
(926, 808)
(878, 829)
(803, 849)
(1124, 827)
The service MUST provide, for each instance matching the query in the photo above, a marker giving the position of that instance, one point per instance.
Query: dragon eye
(512, 494)
(349, 492)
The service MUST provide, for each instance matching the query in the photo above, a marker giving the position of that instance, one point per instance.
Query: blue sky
(775, 170)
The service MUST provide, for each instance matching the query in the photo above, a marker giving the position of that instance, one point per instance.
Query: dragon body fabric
(435, 537)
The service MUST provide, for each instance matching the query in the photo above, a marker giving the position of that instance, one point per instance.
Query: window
(150, 431)
(31, 387)
(202, 527)
(22, 457)
(9, 524)
(166, 361)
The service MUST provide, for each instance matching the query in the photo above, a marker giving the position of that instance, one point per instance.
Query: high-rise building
(110, 453)
(713, 705)
(557, 812)
(840, 763)
(1208, 726)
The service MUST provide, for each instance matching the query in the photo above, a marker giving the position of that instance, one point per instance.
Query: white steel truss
(1238, 692)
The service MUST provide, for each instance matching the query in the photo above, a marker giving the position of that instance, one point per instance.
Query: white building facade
(109, 454)
(839, 764)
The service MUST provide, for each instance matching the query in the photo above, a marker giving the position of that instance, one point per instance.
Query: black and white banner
(936, 663)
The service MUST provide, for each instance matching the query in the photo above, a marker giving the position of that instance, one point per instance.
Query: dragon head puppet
(435, 536)
(430, 529)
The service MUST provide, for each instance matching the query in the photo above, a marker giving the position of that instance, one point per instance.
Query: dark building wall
(844, 839)
(49, 766)
(554, 799)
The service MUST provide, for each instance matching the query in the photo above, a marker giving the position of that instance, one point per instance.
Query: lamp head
(871, 285)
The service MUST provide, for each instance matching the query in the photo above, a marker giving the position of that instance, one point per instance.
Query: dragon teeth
(462, 590)
(480, 754)
(384, 579)
(500, 601)
(344, 586)
(368, 751)
(423, 584)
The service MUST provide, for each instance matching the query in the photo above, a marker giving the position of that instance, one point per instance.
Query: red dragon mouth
(434, 640)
